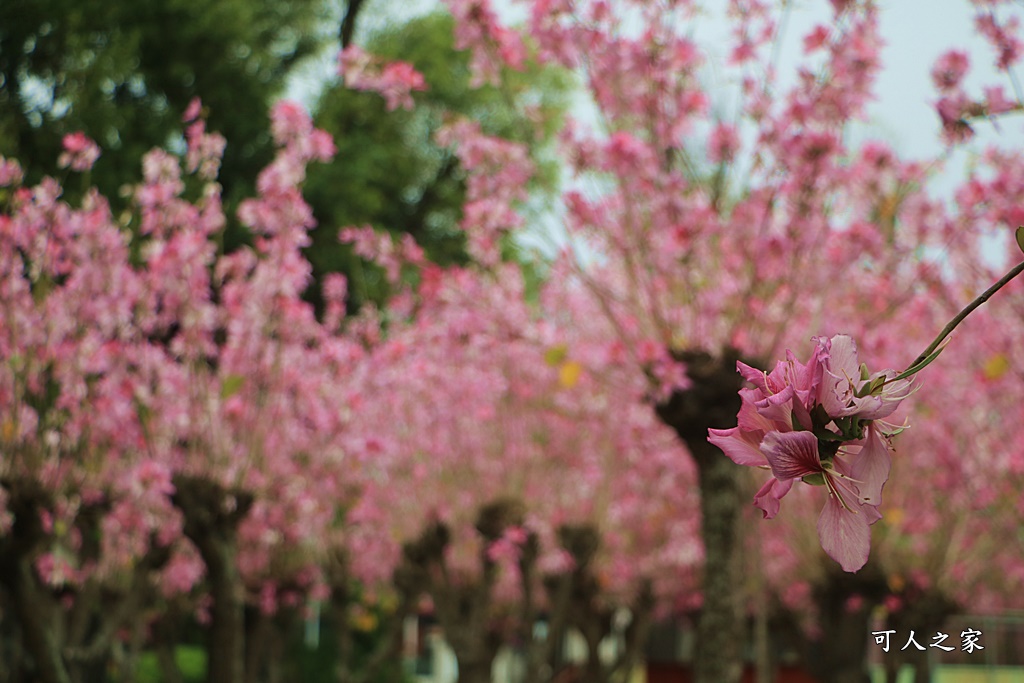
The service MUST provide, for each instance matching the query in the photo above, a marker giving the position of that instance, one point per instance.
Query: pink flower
(394, 81)
(848, 391)
(949, 70)
(1002, 37)
(954, 110)
(80, 153)
(723, 144)
(503, 550)
(816, 38)
(10, 172)
(193, 110)
(843, 527)
(996, 101)
(893, 603)
(397, 80)
(289, 121)
(817, 422)
(517, 535)
(776, 401)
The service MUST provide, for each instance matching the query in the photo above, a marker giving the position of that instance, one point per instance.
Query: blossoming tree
(168, 408)
(770, 232)
(177, 424)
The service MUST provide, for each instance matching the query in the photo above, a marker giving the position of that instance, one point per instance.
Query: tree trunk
(464, 609)
(227, 615)
(166, 633)
(471, 638)
(212, 515)
(257, 645)
(169, 671)
(33, 613)
(842, 653)
(719, 631)
(921, 609)
(474, 671)
(33, 608)
(713, 401)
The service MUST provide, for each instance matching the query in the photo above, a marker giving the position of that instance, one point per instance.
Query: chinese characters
(969, 640)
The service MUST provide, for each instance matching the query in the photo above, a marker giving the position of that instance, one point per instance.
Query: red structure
(678, 673)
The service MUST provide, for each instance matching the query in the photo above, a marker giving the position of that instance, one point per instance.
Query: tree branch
(348, 22)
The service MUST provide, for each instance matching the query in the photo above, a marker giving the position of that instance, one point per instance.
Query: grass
(191, 660)
(961, 674)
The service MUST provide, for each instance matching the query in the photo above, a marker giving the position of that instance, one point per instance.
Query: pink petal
(752, 375)
(886, 403)
(778, 407)
(749, 419)
(791, 454)
(842, 357)
(870, 467)
(815, 367)
(767, 499)
(742, 447)
(841, 370)
(846, 534)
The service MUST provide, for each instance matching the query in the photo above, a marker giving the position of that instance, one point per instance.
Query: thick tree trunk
(227, 615)
(921, 609)
(211, 517)
(257, 645)
(474, 671)
(468, 633)
(165, 636)
(169, 671)
(545, 656)
(844, 649)
(713, 402)
(35, 617)
(841, 655)
(10, 643)
(465, 608)
(720, 630)
(33, 608)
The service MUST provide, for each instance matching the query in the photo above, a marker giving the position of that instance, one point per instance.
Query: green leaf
(825, 435)
(816, 479)
(231, 385)
(919, 366)
(1020, 238)
(142, 410)
(556, 354)
(819, 418)
(854, 430)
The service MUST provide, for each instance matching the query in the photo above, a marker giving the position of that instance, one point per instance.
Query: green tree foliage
(123, 71)
(390, 173)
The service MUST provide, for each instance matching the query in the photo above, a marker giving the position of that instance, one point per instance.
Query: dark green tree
(390, 173)
(123, 72)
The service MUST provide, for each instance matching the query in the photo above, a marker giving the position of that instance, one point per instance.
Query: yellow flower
(569, 373)
(996, 366)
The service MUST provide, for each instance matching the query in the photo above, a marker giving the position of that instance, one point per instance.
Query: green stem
(1014, 272)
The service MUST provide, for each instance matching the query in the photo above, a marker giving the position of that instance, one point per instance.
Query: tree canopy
(391, 172)
(124, 72)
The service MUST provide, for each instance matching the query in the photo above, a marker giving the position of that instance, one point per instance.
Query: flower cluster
(80, 153)
(394, 81)
(821, 422)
